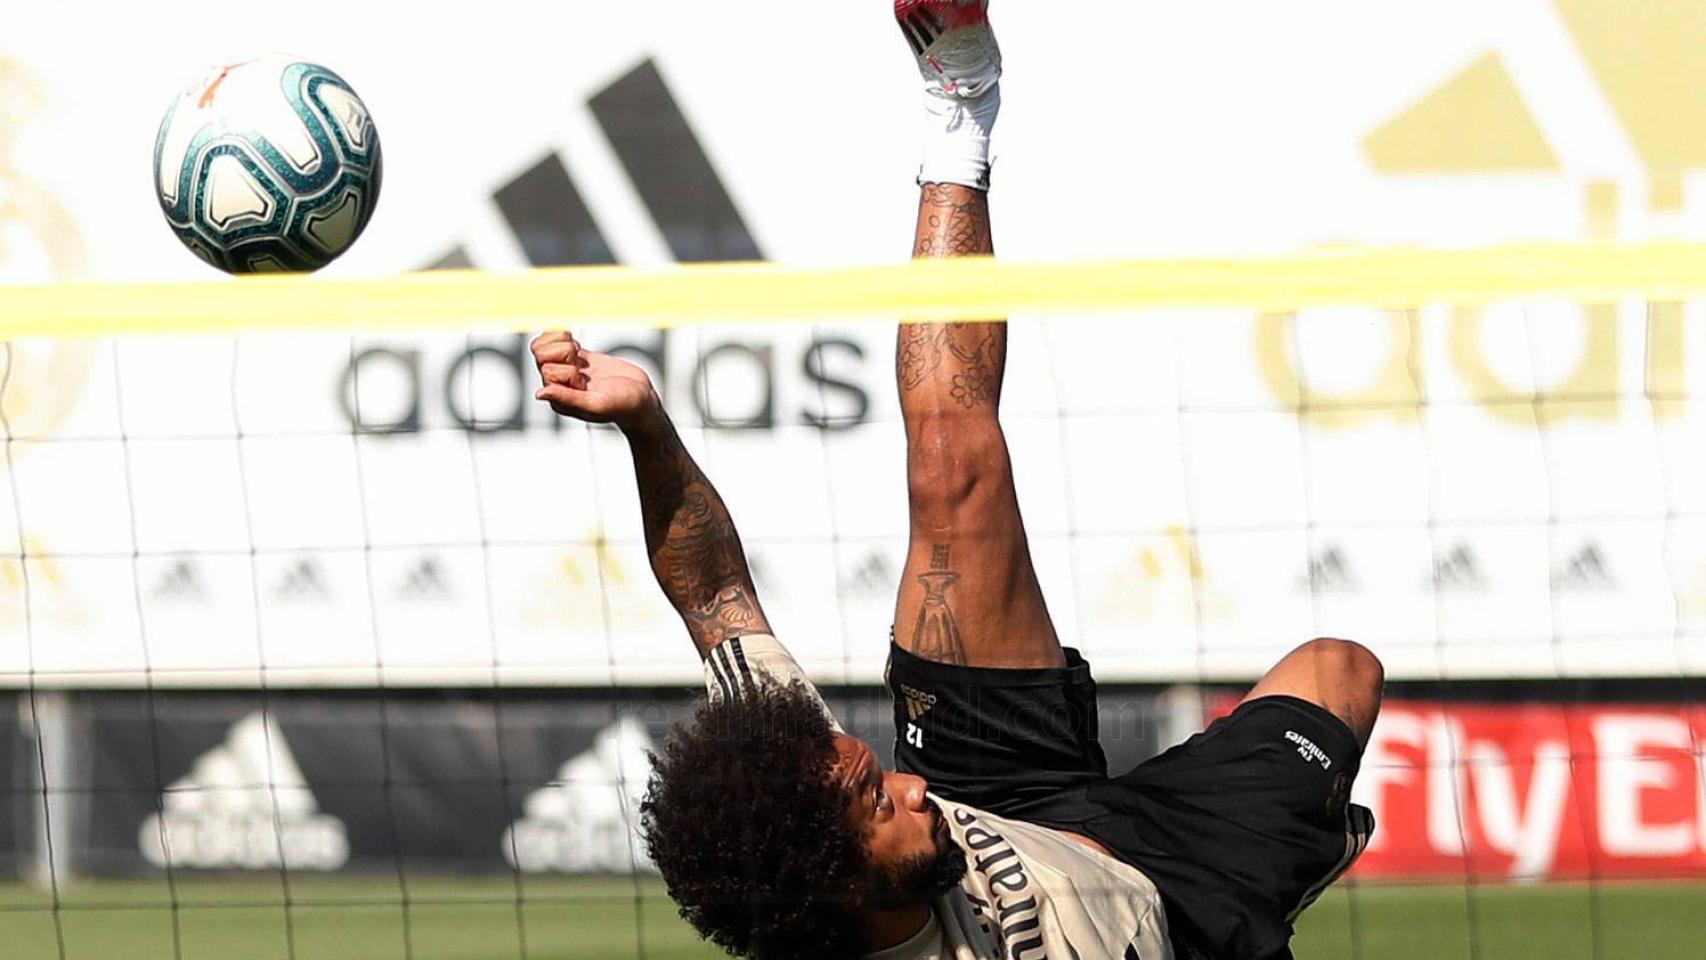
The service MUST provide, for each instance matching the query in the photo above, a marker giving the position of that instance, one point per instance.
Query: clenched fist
(592, 386)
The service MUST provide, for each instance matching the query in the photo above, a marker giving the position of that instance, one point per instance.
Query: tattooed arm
(695, 551)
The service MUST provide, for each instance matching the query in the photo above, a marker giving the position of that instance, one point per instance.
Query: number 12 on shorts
(915, 735)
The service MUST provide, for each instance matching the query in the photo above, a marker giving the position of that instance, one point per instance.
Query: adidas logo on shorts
(918, 702)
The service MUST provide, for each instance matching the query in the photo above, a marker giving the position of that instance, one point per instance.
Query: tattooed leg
(961, 363)
(969, 594)
(937, 636)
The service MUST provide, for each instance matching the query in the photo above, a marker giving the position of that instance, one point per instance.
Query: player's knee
(1350, 678)
(1349, 663)
(952, 465)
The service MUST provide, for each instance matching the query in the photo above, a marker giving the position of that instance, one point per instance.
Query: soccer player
(1000, 834)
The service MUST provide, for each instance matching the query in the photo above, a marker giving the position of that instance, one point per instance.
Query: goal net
(320, 638)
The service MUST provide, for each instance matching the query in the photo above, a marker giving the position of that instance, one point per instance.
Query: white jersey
(1029, 893)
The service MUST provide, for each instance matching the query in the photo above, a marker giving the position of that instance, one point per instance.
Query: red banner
(1536, 791)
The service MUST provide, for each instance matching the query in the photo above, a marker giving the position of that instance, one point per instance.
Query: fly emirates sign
(1536, 791)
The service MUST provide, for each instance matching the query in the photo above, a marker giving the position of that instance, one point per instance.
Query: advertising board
(1508, 491)
(1527, 792)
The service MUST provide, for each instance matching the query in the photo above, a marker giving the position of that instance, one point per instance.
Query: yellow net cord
(931, 290)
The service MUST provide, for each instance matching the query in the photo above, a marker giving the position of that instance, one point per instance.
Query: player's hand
(591, 386)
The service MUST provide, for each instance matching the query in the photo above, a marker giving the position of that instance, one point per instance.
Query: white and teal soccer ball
(267, 165)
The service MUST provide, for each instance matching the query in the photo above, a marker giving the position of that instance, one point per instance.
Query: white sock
(956, 137)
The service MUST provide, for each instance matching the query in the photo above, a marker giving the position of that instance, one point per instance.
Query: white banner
(1203, 493)
(1490, 493)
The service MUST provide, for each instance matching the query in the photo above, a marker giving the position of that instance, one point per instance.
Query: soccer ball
(267, 165)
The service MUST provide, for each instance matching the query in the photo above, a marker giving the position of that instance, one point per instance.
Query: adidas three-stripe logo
(734, 677)
(922, 26)
(664, 160)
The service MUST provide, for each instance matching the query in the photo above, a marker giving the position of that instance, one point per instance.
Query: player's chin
(919, 879)
(948, 867)
(948, 861)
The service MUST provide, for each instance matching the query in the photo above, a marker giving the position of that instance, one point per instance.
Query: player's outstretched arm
(695, 552)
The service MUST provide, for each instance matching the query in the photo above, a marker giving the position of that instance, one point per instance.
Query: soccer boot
(956, 50)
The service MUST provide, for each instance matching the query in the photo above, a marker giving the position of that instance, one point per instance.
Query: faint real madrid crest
(39, 243)
(40, 380)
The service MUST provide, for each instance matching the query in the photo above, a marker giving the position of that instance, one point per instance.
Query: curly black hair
(752, 838)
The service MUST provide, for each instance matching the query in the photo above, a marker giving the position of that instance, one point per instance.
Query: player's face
(913, 855)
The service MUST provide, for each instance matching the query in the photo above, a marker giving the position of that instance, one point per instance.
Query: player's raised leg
(968, 594)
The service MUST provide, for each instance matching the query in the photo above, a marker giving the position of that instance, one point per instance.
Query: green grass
(603, 919)
(348, 919)
(1555, 922)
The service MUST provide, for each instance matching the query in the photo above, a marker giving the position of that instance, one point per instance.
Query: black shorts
(1240, 827)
